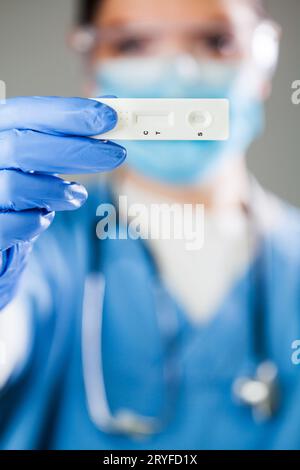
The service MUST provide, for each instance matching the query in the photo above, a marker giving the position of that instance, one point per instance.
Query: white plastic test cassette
(168, 119)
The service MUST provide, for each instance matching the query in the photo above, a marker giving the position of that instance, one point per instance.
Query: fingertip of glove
(118, 154)
(103, 118)
(78, 195)
(108, 118)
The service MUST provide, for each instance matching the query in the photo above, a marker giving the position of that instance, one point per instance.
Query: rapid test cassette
(168, 119)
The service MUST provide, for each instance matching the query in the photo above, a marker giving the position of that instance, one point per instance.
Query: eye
(131, 45)
(221, 43)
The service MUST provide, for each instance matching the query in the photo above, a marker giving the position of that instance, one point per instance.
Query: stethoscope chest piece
(260, 392)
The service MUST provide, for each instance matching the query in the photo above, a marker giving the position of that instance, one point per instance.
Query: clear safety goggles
(213, 41)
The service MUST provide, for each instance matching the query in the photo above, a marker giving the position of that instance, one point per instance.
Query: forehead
(120, 11)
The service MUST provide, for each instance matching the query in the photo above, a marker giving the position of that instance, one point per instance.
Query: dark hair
(87, 10)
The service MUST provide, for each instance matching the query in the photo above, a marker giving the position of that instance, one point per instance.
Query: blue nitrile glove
(41, 137)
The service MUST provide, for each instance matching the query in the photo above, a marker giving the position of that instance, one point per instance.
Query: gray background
(34, 60)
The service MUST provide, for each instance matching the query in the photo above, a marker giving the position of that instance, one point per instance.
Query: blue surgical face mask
(185, 162)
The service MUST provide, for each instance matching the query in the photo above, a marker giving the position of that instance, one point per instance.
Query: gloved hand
(39, 138)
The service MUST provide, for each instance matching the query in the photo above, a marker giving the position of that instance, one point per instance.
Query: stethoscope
(258, 390)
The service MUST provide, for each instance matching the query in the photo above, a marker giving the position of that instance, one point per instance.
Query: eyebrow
(121, 22)
(117, 22)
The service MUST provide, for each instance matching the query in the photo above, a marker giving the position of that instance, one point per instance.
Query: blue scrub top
(44, 405)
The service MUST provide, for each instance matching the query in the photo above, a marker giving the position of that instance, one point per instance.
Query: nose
(187, 66)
